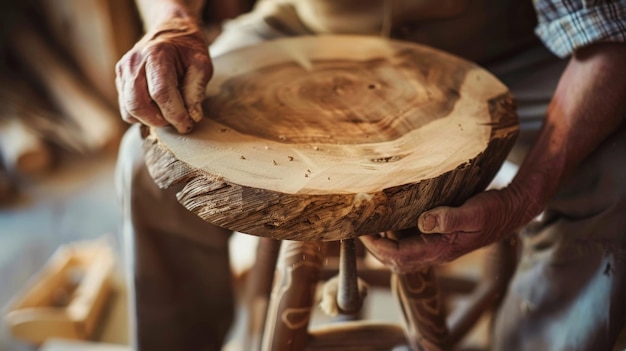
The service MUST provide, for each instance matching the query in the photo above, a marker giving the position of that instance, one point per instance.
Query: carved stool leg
(422, 304)
(422, 307)
(297, 274)
(258, 289)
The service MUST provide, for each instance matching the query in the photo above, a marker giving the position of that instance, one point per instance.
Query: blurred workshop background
(59, 132)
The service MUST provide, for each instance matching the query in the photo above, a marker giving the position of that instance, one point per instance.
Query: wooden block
(66, 298)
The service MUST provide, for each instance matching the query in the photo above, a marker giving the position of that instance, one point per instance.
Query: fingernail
(184, 129)
(429, 223)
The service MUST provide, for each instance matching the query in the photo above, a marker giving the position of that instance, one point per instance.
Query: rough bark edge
(314, 217)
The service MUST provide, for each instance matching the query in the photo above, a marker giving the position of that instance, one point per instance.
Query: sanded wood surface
(331, 137)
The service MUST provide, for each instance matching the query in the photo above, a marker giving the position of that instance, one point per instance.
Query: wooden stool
(327, 138)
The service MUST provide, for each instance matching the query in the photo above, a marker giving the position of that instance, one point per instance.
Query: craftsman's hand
(449, 233)
(579, 118)
(162, 79)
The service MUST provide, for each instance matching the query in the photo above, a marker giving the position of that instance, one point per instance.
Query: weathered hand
(162, 79)
(452, 232)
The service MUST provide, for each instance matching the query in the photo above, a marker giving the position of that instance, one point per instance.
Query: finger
(135, 102)
(140, 106)
(194, 85)
(379, 246)
(120, 93)
(126, 117)
(407, 255)
(467, 218)
(162, 82)
(383, 249)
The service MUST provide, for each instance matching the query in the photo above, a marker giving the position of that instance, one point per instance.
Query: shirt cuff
(563, 35)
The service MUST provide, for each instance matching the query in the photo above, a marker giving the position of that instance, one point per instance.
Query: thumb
(467, 218)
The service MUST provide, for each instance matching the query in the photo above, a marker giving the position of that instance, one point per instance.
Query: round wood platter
(332, 137)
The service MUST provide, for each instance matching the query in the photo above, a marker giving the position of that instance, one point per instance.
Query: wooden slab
(330, 137)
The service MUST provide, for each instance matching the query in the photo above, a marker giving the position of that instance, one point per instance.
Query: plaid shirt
(566, 25)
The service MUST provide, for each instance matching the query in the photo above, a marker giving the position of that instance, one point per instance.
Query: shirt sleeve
(566, 25)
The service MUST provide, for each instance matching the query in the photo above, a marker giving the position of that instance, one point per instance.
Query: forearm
(156, 12)
(588, 105)
(161, 80)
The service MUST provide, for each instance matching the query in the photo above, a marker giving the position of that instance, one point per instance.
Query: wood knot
(386, 159)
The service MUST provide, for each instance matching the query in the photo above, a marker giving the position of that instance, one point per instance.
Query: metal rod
(348, 297)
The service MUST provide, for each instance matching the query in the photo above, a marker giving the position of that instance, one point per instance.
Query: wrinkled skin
(162, 79)
(589, 104)
(449, 233)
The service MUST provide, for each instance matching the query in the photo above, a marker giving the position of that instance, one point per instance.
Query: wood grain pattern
(258, 291)
(422, 307)
(331, 137)
(289, 312)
